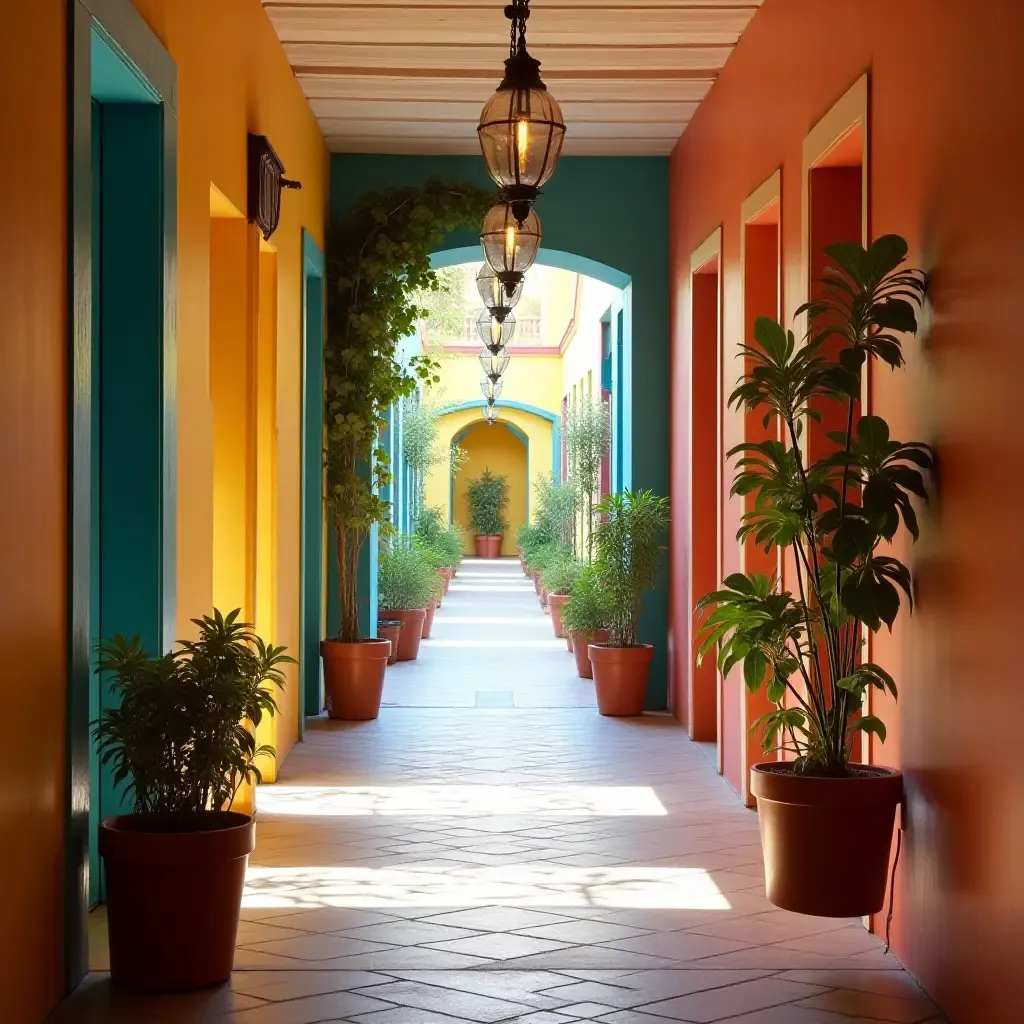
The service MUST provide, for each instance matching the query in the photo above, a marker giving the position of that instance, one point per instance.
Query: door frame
(131, 39)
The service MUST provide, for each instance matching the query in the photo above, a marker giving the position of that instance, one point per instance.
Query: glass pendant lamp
(493, 363)
(510, 248)
(490, 414)
(500, 299)
(491, 389)
(521, 130)
(495, 333)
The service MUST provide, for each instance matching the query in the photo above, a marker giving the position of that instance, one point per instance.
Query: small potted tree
(585, 617)
(488, 499)
(406, 584)
(628, 536)
(826, 821)
(378, 267)
(181, 741)
(558, 578)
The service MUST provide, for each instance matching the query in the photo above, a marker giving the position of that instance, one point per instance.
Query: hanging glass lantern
(490, 414)
(493, 363)
(510, 248)
(491, 389)
(499, 298)
(521, 129)
(494, 333)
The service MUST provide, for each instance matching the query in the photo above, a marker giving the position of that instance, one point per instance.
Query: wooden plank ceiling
(410, 76)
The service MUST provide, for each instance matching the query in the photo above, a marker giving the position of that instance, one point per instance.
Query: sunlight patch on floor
(500, 645)
(452, 801)
(512, 885)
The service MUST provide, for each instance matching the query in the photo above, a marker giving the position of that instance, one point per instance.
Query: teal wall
(613, 211)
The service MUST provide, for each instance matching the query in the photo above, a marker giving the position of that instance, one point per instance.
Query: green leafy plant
(589, 605)
(836, 514)
(378, 264)
(488, 500)
(588, 439)
(561, 573)
(181, 735)
(628, 534)
(556, 506)
(445, 541)
(406, 576)
(543, 555)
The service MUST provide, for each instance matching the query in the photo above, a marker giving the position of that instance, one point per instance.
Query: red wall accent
(946, 150)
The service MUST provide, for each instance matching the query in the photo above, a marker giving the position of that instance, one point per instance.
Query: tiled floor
(464, 860)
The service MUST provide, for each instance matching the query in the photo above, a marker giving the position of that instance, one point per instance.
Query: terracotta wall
(946, 149)
(32, 514)
(232, 76)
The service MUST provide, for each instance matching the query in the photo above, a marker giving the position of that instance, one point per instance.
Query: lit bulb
(522, 143)
(510, 245)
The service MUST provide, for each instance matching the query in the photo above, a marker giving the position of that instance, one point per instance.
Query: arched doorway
(504, 450)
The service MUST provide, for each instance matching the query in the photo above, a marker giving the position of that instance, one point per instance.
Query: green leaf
(870, 724)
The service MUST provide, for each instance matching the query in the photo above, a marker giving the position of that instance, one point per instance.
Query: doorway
(122, 499)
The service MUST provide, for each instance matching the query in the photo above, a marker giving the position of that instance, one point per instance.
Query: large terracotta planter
(544, 599)
(555, 603)
(826, 840)
(174, 893)
(412, 630)
(354, 678)
(390, 630)
(428, 618)
(620, 678)
(568, 642)
(489, 545)
(580, 648)
(535, 576)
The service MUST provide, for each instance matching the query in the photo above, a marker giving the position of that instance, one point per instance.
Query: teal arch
(545, 257)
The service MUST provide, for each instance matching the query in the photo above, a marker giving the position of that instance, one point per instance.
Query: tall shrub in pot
(488, 500)
(378, 263)
(181, 741)
(826, 822)
(629, 535)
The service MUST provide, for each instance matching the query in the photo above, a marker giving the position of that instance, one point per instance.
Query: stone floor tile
(317, 947)
(873, 1005)
(465, 1005)
(406, 933)
(586, 1011)
(499, 945)
(311, 1010)
(680, 946)
(275, 986)
(497, 919)
(731, 1000)
(583, 933)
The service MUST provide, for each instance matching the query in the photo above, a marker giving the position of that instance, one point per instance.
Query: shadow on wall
(500, 449)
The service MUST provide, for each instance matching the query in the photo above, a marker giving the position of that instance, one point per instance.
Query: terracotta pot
(354, 677)
(826, 840)
(174, 893)
(489, 545)
(568, 642)
(555, 603)
(428, 619)
(535, 575)
(412, 630)
(544, 599)
(389, 630)
(620, 678)
(580, 644)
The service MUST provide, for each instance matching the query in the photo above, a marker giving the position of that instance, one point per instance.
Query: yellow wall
(532, 380)
(232, 77)
(495, 448)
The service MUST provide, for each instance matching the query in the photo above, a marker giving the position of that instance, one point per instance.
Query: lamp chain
(517, 12)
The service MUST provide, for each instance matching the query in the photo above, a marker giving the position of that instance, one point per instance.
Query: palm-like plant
(836, 513)
(629, 532)
(180, 739)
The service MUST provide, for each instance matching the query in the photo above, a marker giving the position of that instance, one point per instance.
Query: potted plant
(390, 630)
(826, 821)
(628, 536)
(559, 577)
(585, 617)
(406, 583)
(181, 741)
(488, 499)
(378, 267)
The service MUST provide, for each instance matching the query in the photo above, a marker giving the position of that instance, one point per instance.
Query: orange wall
(33, 423)
(946, 151)
(232, 76)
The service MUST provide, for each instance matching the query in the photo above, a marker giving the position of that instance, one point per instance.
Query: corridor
(492, 850)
